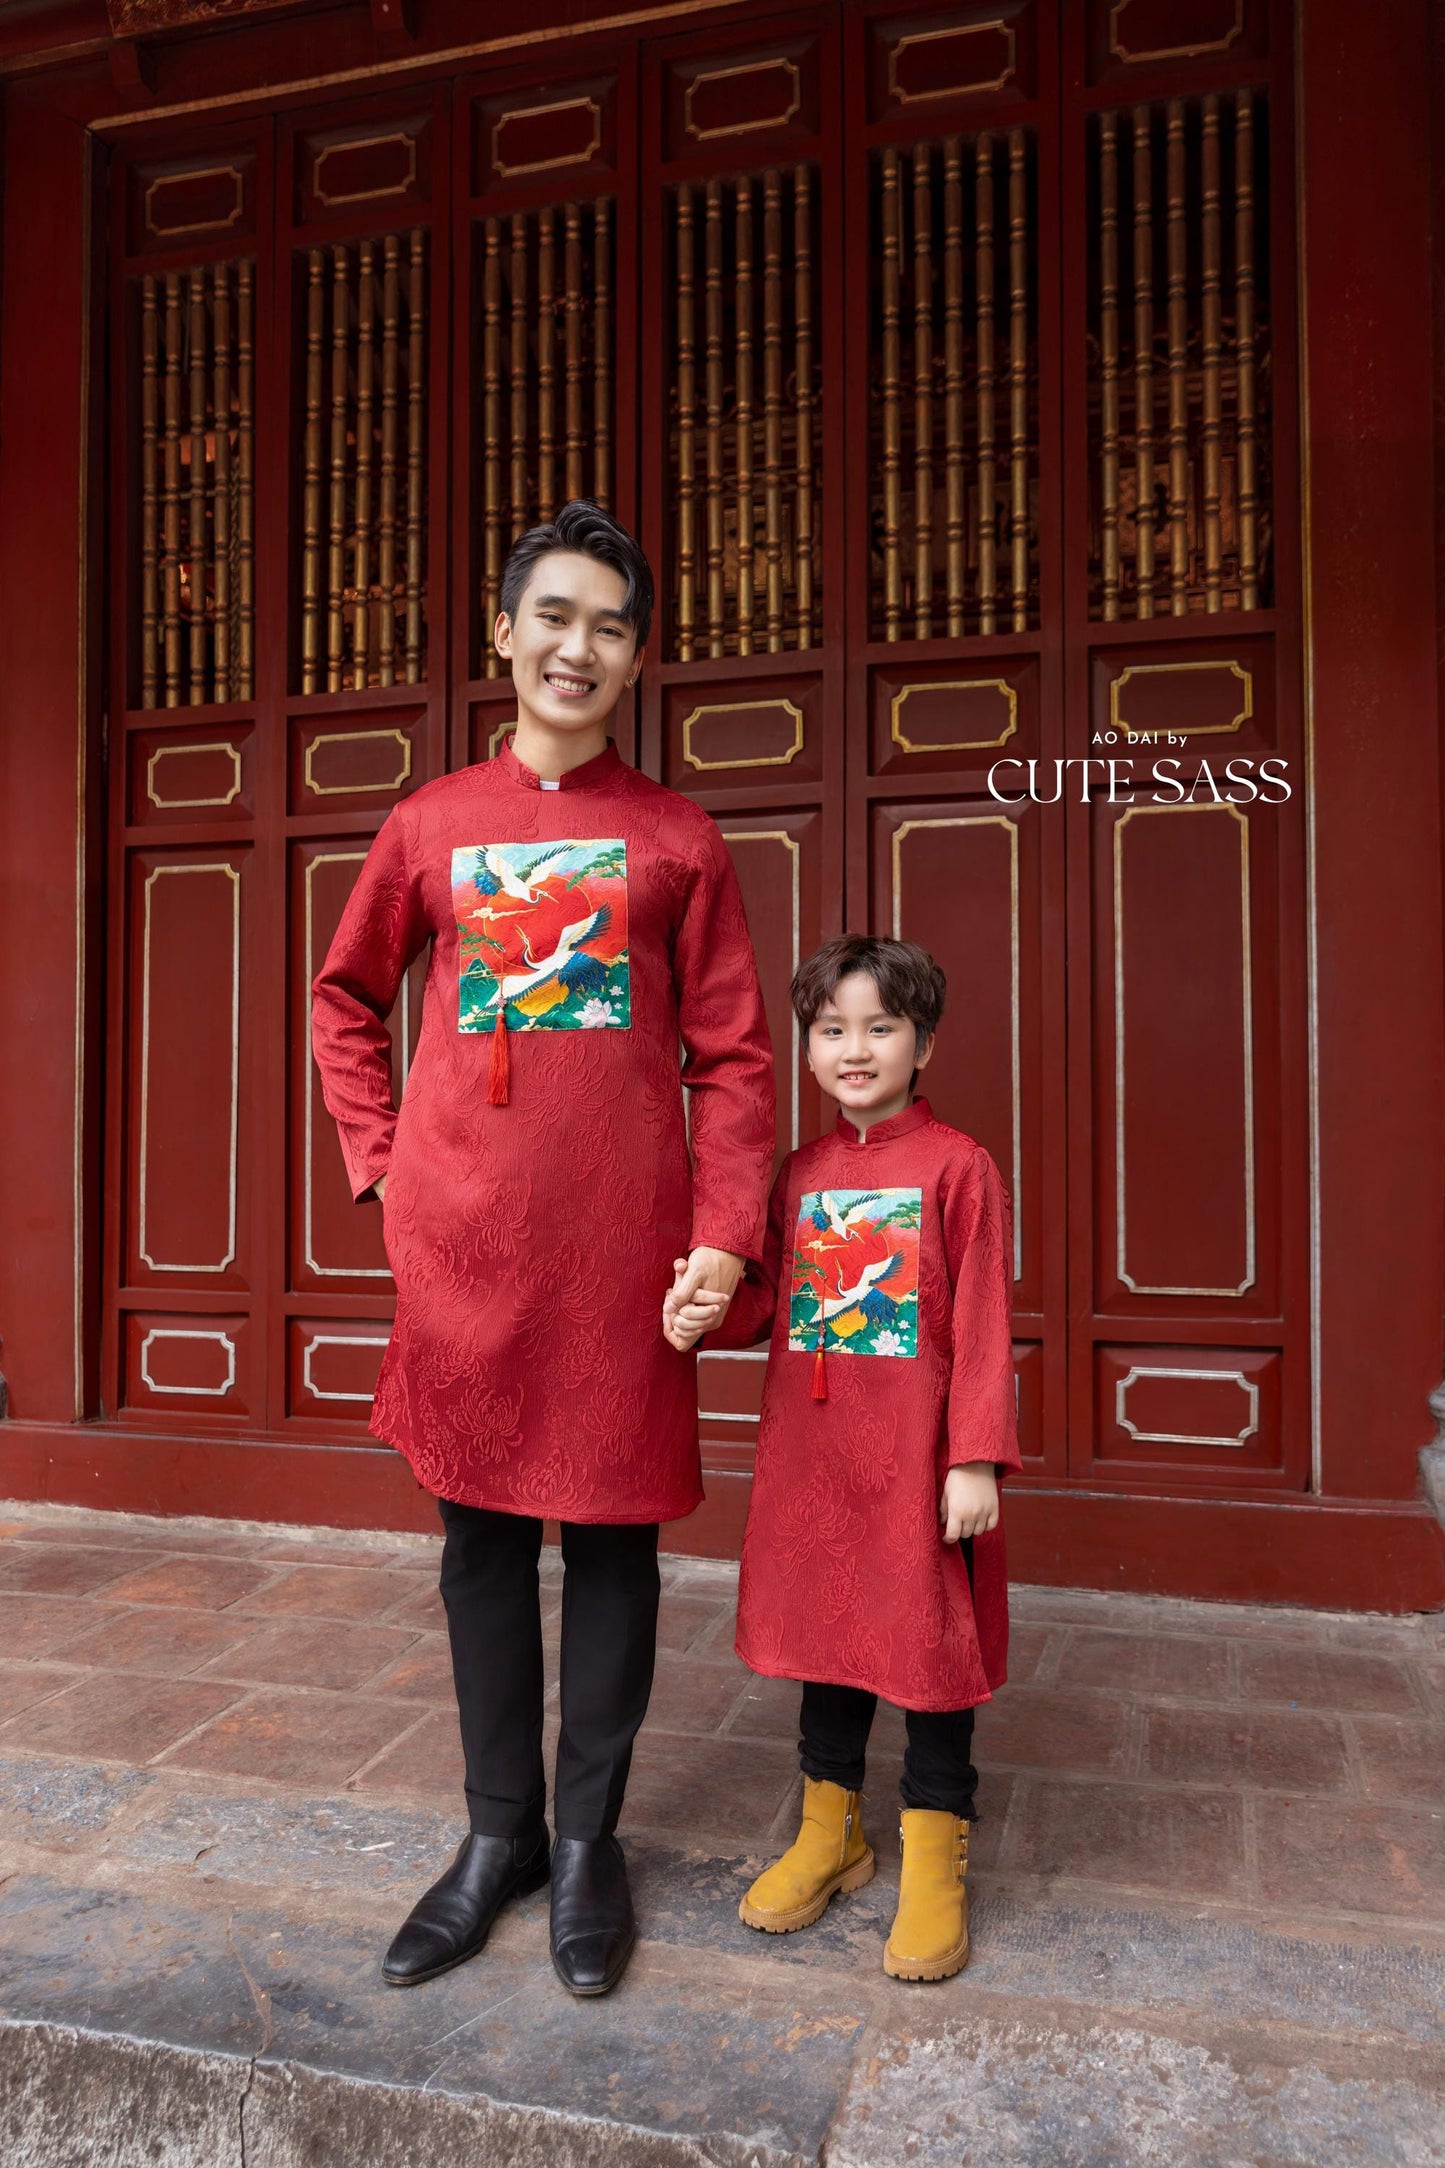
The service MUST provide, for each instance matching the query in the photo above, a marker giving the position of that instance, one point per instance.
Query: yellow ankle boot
(930, 1933)
(829, 1854)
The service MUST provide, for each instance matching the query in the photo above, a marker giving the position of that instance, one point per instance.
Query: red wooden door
(934, 352)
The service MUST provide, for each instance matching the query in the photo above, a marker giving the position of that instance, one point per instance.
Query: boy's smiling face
(861, 1055)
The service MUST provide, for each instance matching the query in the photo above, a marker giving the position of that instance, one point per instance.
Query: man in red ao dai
(873, 1561)
(538, 1183)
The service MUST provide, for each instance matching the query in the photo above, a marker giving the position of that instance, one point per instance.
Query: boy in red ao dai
(873, 1561)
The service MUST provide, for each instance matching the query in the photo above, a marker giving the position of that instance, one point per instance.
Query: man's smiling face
(572, 652)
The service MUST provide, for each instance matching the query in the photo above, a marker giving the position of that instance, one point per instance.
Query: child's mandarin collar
(599, 769)
(897, 1125)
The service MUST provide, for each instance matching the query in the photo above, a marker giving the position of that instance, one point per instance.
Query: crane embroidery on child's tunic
(855, 1272)
(546, 922)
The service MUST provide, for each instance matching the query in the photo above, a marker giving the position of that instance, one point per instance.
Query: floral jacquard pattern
(532, 1243)
(845, 1575)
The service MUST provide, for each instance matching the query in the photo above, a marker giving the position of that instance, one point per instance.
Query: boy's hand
(379, 1185)
(969, 1505)
(685, 1319)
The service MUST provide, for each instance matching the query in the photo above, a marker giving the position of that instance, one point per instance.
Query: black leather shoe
(452, 1921)
(593, 1926)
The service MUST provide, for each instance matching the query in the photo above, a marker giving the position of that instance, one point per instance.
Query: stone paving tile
(427, 1761)
(116, 1717)
(63, 1569)
(1400, 1758)
(61, 1805)
(311, 1652)
(1326, 1679)
(692, 1696)
(37, 1625)
(1027, 1645)
(295, 1738)
(1279, 1749)
(1339, 1856)
(684, 1619)
(1043, 1727)
(339, 1592)
(713, 1788)
(422, 1607)
(192, 1583)
(1182, 1843)
(423, 1673)
(21, 1685)
(1137, 1663)
(166, 1640)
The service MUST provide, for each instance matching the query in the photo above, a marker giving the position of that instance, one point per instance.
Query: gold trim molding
(534, 112)
(795, 867)
(951, 90)
(363, 143)
(210, 745)
(335, 1339)
(1123, 52)
(954, 685)
(158, 873)
(1119, 721)
(195, 1392)
(355, 737)
(741, 127)
(1121, 1227)
(1184, 1437)
(731, 707)
(204, 225)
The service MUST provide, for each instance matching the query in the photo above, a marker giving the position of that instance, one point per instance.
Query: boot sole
(534, 1880)
(933, 1968)
(788, 1923)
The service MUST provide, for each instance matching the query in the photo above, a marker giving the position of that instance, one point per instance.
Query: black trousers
(609, 1643)
(937, 1772)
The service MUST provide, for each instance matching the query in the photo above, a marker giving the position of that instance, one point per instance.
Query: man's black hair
(583, 524)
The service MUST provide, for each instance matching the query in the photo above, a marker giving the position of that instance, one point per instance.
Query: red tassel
(820, 1375)
(500, 1073)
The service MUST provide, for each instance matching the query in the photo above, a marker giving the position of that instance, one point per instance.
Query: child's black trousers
(937, 1772)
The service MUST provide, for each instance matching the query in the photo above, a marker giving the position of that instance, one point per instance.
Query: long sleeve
(754, 1305)
(728, 1071)
(978, 1243)
(381, 930)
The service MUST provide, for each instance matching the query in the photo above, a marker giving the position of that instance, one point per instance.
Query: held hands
(969, 1505)
(697, 1302)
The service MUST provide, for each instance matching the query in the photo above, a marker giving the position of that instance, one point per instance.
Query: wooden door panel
(1209, 1415)
(186, 1064)
(190, 1365)
(335, 1243)
(331, 1367)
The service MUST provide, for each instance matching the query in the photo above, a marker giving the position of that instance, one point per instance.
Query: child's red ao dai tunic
(532, 1241)
(891, 1255)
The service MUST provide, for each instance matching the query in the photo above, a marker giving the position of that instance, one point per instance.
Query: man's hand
(716, 1270)
(691, 1308)
(969, 1505)
(379, 1185)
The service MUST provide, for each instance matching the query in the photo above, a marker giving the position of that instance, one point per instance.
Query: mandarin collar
(897, 1125)
(599, 769)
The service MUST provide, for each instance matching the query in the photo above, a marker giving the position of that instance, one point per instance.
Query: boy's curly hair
(908, 980)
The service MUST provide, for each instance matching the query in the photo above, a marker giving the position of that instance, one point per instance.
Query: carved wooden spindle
(954, 483)
(1109, 353)
(602, 350)
(149, 496)
(245, 483)
(386, 524)
(1143, 364)
(1176, 257)
(336, 532)
(803, 406)
(773, 406)
(1246, 416)
(1018, 227)
(196, 551)
(983, 258)
(311, 477)
(518, 373)
(713, 335)
(415, 455)
(1210, 346)
(365, 430)
(171, 500)
(491, 442)
(743, 340)
(221, 535)
(686, 424)
(892, 220)
(573, 346)
(922, 391)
